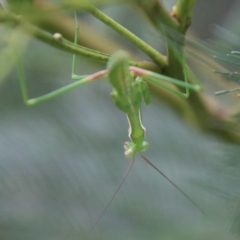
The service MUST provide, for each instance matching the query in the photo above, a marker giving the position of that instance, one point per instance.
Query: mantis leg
(157, 80)
(74, 76)
(80, 79)
(55, 93)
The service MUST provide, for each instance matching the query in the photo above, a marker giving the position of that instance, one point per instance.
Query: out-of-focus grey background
(62, 160)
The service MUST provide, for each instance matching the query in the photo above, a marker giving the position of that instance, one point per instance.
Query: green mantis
(129, 90)
(128, 93)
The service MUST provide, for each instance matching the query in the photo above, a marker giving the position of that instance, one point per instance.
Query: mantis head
(131, 149)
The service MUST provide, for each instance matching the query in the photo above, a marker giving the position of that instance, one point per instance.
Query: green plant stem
(151, 52)
(13, 21)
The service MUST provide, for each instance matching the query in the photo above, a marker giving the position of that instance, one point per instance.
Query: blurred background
(62, 160)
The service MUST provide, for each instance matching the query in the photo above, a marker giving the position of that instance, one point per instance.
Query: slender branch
(151, 52)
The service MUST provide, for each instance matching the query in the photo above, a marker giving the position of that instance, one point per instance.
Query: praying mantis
(129, 90)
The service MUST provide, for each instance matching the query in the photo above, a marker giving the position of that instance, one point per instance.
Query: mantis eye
(129, 153)
(129, 149)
